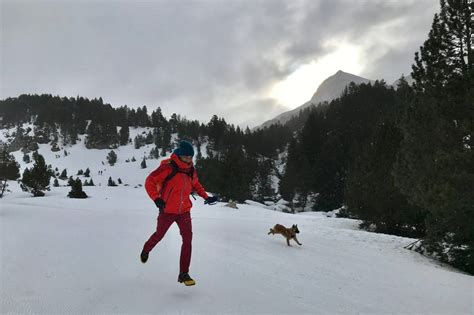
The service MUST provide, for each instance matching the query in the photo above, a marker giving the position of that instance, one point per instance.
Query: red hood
(182, 165)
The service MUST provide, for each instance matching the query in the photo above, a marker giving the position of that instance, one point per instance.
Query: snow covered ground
(61, 255)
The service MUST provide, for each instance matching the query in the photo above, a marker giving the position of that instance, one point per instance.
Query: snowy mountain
(329, 89)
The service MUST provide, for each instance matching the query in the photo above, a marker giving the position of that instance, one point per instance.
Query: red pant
(186, 230)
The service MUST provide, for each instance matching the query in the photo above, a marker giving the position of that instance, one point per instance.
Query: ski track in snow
(82, 256)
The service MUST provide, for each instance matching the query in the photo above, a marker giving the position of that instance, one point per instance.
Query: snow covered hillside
(61, 255)
(79, 157)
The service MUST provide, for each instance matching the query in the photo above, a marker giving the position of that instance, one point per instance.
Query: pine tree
(166, 141)
(139, 142)
(63, 175)
(263, 182)
(37, 179)
(9, 170)
(111, 182)
(102, 135)
(87, 172)
(56, 183)
(76, 190)
(143, 164)
(435, 163)
(149, 139)
(112, 158)
(124, 135)
(239, 171)
(199, 153)
(154, 153)
(371, 194)
(80, 172)
(9, 167)
(157, 118)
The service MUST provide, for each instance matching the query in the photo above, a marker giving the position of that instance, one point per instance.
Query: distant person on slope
(169, 186)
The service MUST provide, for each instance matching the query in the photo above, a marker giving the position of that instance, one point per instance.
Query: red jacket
(176, 191)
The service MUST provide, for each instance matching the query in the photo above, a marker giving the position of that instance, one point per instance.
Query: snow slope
(60, 255)
(79, 157)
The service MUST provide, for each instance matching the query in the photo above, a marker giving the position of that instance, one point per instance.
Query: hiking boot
(143, 256)
(186, 279)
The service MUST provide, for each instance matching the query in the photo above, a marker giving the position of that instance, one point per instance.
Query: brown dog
(287, 233)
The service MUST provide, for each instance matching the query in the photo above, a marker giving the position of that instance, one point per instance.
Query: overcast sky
(199, 58)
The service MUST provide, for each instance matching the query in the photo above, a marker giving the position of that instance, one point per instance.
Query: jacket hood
(182, 165)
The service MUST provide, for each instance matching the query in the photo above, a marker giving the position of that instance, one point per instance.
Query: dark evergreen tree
(112, 158)
(370, 192)
(149, 139)
(101, 135)
(139, 141)
(154, 153)
(157, 119)
(9, 170)
(124, 134)
(63, 175)
(9, 167)
(166, 141)
(87, 173)
(143, 164)
(55, 183)
(434, 167)
(173, 123)
(111, 182)
(263, 181)
(217, 128)
(231, 174)
(76, 190)
(37, 179)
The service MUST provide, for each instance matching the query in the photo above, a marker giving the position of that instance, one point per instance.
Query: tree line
(401, 160)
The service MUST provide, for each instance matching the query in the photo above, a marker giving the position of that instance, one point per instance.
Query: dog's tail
(271, 232)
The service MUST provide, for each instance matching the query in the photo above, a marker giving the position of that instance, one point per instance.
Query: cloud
(254, 111)
(196, 58)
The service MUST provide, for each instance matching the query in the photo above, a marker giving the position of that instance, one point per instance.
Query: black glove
(211, 200)
(160, 204)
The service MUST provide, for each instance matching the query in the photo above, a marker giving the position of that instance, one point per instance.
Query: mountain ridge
(331, 88)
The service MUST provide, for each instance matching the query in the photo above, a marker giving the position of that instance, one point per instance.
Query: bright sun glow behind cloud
(300, 86)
